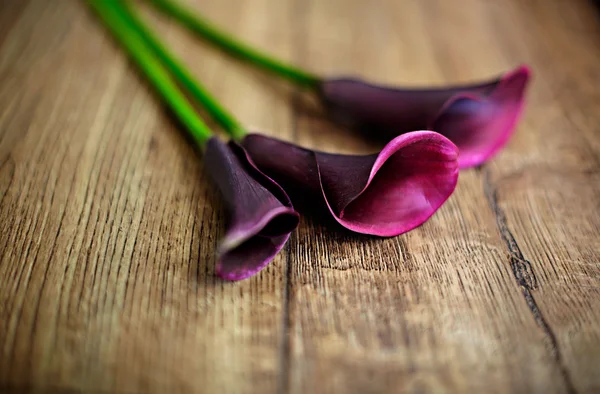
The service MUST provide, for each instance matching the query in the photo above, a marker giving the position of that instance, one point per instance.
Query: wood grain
(108, 224)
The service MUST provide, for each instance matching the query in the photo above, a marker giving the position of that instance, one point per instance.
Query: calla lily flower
(478, 118)
(383, 194)
(260, 214)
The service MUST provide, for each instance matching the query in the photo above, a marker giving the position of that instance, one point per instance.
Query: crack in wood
(525, 277)
(283, 383)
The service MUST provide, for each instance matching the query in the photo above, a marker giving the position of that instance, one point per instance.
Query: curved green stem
(231, 125)
(153, 70)
(234, 46)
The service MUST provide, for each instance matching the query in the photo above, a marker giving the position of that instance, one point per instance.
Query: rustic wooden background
(108, 225)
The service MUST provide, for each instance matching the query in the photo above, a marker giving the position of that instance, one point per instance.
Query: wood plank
(550, 194)
(448, 307)
(108, 222)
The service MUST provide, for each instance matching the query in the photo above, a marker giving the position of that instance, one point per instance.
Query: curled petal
(260, 214)
(384, 194)
(478, 118)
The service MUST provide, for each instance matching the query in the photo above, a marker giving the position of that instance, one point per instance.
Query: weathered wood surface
(108, 224)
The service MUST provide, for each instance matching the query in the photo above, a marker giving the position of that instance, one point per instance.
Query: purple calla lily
(383, 194)
(478, 118)
(260, 214)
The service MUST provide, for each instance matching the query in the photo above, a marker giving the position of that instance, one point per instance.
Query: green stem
(233, 127)
(234, 46)
(153, 69)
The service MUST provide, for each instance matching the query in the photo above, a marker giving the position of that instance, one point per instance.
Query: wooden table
(108, 223)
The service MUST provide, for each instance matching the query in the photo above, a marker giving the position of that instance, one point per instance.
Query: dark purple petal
(384, 194)
(478, 118)
(260, 216)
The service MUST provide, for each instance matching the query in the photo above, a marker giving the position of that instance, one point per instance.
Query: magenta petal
(481, 125)
(260, 214)
(384, 194)
(478, 118)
